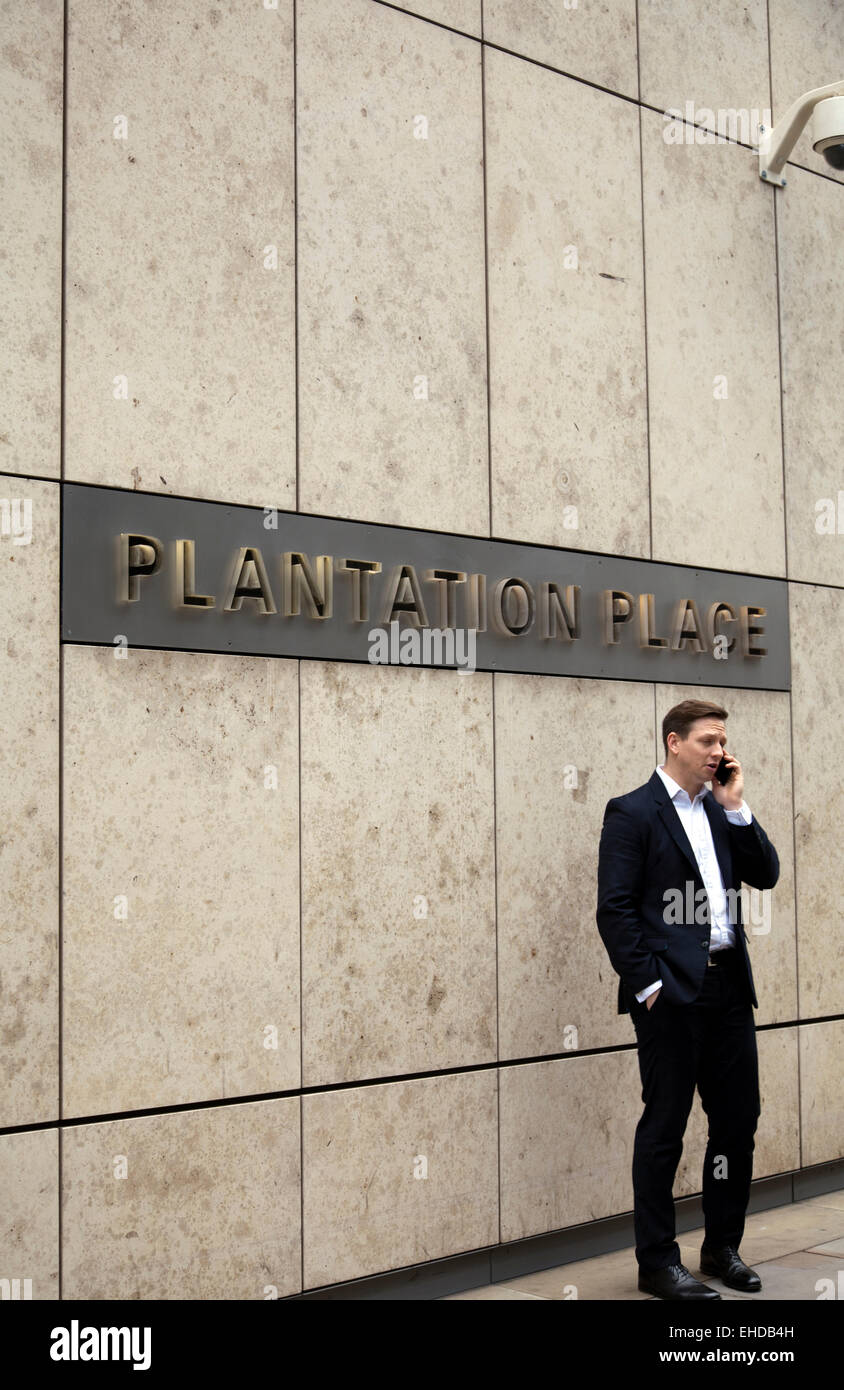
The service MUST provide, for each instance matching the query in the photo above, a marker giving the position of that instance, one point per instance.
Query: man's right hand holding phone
(652, 998)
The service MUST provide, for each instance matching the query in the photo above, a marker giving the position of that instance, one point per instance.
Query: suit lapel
(674, 826)
(671, 820)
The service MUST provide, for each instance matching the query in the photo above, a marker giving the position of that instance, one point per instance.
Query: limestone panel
(398, 1174)
(29, 1214)
(778, 1134)
(712, 54)
(29, 800)
(595, 42)
(567, 1130)
(392, 341)
(200, 1204)
(31, 91)
(713, 368)
(821, 1107)
(563, 748)
(566, 311)
(456, 14)
(181, 911)
(180, 338)
(398, 895)
(810, 226)
(817, 648)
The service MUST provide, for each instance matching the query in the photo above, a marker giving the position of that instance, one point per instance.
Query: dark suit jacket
(644, 852)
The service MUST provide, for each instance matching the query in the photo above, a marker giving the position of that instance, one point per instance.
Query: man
(671, 863)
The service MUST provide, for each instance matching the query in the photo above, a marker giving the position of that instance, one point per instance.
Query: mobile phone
(723, 772)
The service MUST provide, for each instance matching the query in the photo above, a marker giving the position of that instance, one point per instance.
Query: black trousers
(711, 1044)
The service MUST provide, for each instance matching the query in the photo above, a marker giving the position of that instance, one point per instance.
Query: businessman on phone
(672, 859)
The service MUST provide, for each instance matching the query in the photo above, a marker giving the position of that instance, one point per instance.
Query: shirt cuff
(742, 816)
(642, 996)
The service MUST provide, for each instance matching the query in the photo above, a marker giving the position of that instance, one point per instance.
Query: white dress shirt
(696, 825)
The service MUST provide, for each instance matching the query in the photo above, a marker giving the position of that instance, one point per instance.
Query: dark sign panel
(148, 570)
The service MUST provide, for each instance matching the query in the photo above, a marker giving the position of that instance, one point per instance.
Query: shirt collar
(673, 788)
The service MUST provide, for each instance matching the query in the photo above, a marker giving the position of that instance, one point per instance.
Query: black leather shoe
(674, 1281)
(727, 1265)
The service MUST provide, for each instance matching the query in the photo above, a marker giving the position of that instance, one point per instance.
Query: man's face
(699, 754)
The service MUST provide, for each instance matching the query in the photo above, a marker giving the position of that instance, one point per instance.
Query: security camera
(826, 107)
(828, 130)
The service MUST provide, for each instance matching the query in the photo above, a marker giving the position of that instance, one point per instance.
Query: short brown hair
(680, 719)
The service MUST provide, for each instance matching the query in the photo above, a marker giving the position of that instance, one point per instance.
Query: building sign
(148, 570)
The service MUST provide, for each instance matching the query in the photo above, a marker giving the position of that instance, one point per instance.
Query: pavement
(791, 1247)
